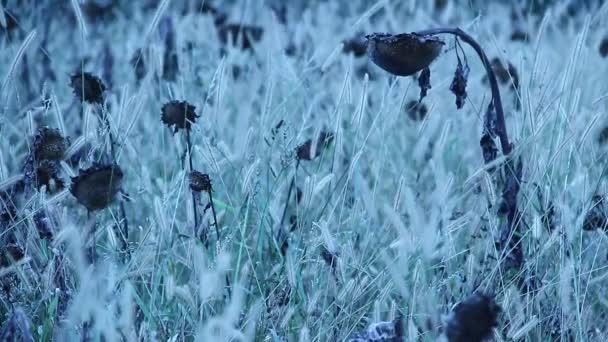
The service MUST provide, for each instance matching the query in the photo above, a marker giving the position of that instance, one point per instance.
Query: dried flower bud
(96, 187)
(16, 328)
(305, 151)
(459, 84)
(87, 87)
(10, 254)
(403, 54)
(596, 217)
(49, 144)
(603, 48)
(180, 114)
(200, 182)
(473, 319)
(488, 148)
(424, 82)
(246, 35)
(416, 111)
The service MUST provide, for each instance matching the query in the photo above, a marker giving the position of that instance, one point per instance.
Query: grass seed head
(473, 319)
(179, 114)
(49, 144)
(403, 54)
(87, 87)
(200, 182)
(96, 187)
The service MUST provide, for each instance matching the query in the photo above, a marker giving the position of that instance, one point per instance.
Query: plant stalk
(194, 209)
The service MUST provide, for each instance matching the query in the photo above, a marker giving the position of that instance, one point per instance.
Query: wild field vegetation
(244, 171)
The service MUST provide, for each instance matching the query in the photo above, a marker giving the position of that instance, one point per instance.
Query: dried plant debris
(44, 225)
(424, 82)
(49, 144)
(416, 111)
(596, 217)
(16, 328)
(11, 253)
(200, 182)
(243, 36)
(179, 114)
(356, 45)
(96, 187)
(403, 54)
(603, 48)
(87, 87)
(473, 320)
(139, 65)
(307, 151)
(459, 83)
(488, 148)
(389, 331)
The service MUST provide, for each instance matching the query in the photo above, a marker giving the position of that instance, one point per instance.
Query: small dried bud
(16, 328)
(87, 87)
(603, 49)
(10, 254)
(459, 84)
(403, 54)
(416, 111)
(180, 114)
(305, 151)
(49, 144)
(596, 217)
(246, 35)
(473, 319)
(200, 182)
(96, 187)
(424, 82)
(488, 148)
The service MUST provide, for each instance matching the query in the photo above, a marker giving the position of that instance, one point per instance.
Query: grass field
(337, 201)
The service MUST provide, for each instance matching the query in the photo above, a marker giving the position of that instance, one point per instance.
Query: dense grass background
(397, 216)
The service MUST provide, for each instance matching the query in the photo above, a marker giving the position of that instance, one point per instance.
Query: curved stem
(496, 100)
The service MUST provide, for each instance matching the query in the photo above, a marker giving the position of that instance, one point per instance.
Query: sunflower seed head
(87, 87)
(49, 144)
(403, 54)
(200, 182)
(96, 187)
(473, 319)
(179, 114)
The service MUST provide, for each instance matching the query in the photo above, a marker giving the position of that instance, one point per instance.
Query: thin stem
(289, 191)
(496, 100)
(217, 229)
(124, 233)
(194, 209)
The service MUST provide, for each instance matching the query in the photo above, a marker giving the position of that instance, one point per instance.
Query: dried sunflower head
(473, 319)
(87, 87)
(180, 114)
(200, 182)
(403, 54)
(49, 144)
(96, 187)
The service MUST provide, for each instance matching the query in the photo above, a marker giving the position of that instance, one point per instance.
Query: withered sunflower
(403, 54)
(179, 114)
(200, 182)
(49, 144)
(96, 187)
(87, 87)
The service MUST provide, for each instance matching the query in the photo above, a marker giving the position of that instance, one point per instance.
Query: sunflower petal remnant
(179, 114)
(96, 187)
(403, 54)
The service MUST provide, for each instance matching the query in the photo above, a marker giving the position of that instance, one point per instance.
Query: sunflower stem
(501, 128)
(123, 232)
(194, 209)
